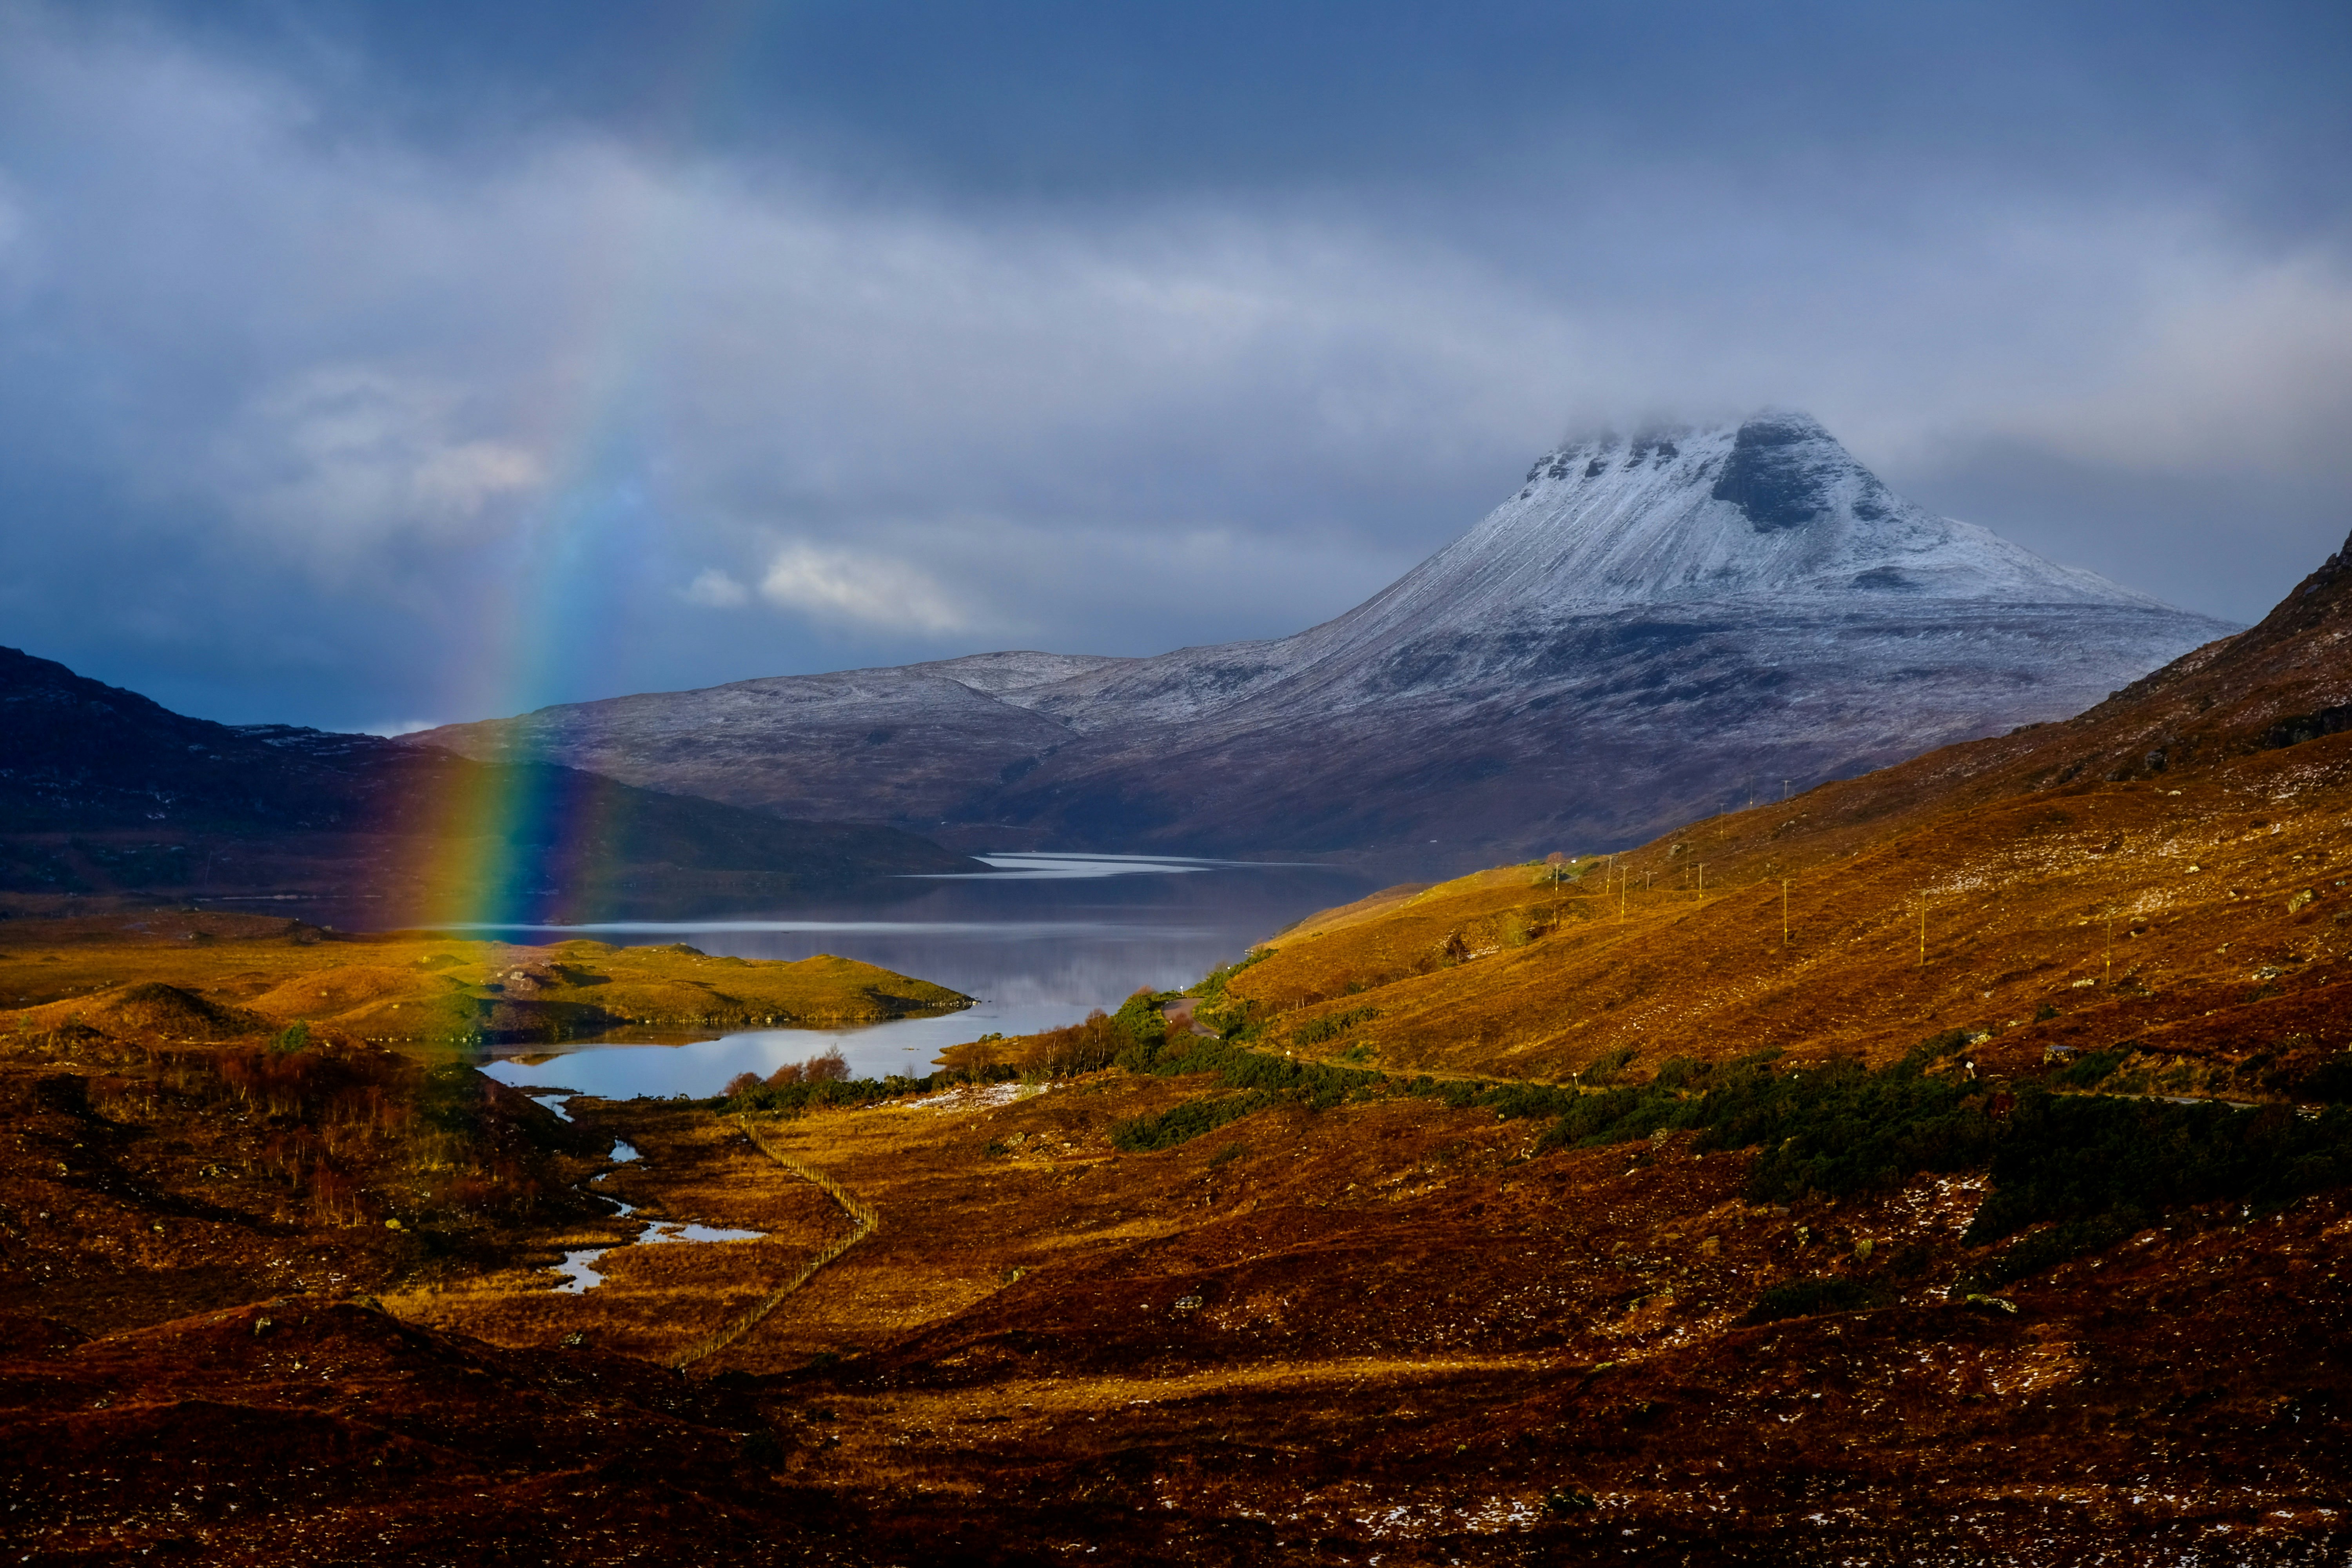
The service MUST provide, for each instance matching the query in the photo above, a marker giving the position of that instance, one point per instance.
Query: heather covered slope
(2202, 810)
(1650, 627)
(102, 790)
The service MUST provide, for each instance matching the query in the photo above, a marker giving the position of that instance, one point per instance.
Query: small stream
(579, 1268)
(1040, 941)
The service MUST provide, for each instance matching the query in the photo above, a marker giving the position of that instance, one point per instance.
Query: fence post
(858, 1210)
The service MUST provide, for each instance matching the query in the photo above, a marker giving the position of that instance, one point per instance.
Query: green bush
(1678, 1072)
(2330, 1081)
(2084, 1157)
(1330, 1027)
(1810, 1298)
(1139, 1017)
(1837, 1129)
(2042, 1250)
(808, 1095)
(2088, 1069)
(1604, 1067)
(1183, 1123)
(1318, 1086)
(2097, 1166)
(1212, 988)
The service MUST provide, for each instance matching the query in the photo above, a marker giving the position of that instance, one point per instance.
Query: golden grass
(418, 987)
(1501, 974)
(657, 1297)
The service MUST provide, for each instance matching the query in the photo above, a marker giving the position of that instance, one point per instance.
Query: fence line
(857, 1208)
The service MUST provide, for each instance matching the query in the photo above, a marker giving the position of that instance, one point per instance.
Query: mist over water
(1040, 943)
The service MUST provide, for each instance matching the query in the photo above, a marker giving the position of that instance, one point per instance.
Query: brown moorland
(1377, 1277)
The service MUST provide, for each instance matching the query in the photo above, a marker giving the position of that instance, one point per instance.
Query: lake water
(1041, 942)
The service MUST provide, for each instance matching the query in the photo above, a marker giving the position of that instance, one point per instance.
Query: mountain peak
(1772, 507)
(1785, 471)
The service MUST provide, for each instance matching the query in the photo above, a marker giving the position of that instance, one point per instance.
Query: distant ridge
(1650, 628)
(104, 791)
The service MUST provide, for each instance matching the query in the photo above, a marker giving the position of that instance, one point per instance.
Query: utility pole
(1702, 881)
(1784, 791)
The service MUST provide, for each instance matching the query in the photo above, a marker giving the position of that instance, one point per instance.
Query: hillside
(105, 792)
(1651, 629)
(2201, 809)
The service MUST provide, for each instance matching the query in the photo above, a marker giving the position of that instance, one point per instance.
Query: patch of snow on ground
(976, 1098)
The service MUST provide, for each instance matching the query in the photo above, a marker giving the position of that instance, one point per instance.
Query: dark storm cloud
(381, 362)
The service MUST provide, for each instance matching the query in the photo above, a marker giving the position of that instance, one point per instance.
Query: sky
(373, 366)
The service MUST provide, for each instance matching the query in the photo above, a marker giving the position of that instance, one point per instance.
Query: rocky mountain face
(1651, 628)
(104, 791)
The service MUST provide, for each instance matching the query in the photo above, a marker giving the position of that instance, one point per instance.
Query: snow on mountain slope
(1648, 622)
(1009, 675)
(888, 745)
(1770, 516)
(1774, 506)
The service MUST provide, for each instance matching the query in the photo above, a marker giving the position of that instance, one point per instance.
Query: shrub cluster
(1330, 1027)
(1212, 988)
(2090, 1067)
(2079, 1158)
(1835, 1128)
(1183, 1123)
(820, 1093)
(827, 1066)
(1804, 1298)
(2098, 1166)
(1266, 1079)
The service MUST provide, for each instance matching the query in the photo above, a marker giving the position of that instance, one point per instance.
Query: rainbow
(515, 841)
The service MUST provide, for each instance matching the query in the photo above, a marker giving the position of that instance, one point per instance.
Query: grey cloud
(349, 427)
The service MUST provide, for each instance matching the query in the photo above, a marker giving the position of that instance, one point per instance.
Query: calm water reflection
(1041, 942)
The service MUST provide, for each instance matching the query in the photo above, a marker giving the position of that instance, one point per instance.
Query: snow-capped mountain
(1649, 627)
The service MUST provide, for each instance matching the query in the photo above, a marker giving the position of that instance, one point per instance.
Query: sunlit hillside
(2163, 876)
